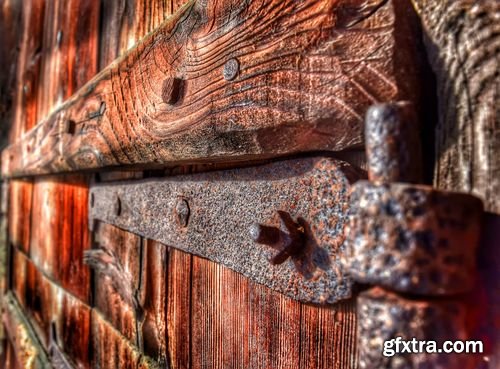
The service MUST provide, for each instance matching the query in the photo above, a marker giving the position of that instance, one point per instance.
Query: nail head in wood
(231, 69)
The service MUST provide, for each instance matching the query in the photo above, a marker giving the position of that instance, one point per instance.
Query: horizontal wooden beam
(232, 80)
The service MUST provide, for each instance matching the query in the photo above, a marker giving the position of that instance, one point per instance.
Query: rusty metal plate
(278, 224)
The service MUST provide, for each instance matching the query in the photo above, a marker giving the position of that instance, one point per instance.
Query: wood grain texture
(306, 73)
(111, 350)
(236, 326)
(19, 224)
(154, 301)
(47, 304)
(179, 309)
(59, 233)
(462, 39)
(68, 59)
(328, 336)
(125, 248)
(28, 68)
(10, 44)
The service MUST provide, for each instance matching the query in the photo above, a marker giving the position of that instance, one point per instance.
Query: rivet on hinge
(182, 212)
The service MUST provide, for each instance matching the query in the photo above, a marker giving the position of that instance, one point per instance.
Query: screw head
(182, 212)
(231, 69)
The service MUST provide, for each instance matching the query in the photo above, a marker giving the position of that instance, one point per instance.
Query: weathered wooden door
(175, 189)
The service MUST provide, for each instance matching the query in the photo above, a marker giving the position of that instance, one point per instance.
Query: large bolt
(290, 238)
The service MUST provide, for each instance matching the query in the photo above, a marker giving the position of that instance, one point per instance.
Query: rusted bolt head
(231, 69)
(290, 237)
(264, 234)
(182, 212)
(171, 90)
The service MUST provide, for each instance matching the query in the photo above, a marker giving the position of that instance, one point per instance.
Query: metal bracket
(278, 224)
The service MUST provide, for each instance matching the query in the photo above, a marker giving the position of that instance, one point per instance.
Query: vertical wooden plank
(125, 248)
(19, 224)
(239, 324)
(47, 304)
(69, 58)
(112, 351)
(328, 336)
(179, 309)
(10, 43)
(154, 300)
(28, 69)
(274, 329)
(60, 233)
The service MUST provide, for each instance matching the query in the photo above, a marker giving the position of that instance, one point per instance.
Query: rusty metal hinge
(416, 244)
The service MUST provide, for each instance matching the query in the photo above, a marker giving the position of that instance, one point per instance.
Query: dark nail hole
(102, 108)
(171, 90)
(70, 127)
(92, 200)
(118, 206)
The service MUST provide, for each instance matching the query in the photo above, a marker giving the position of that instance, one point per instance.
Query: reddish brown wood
(153, 296)
(179, 309)
(277, 103)
(48, 304)
(111, 350)
(126, 249)
(20, 198)
(239, 324)
(28, 68)
(60, 232)
(328, 336)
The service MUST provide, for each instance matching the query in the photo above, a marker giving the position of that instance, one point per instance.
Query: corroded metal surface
(212, 215)
(383, 316)
(412, 238)
(392, 143)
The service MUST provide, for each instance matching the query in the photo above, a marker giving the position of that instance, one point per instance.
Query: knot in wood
(231, 69)
(171, 90)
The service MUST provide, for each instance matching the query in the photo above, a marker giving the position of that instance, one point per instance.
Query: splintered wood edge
(213, 84)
